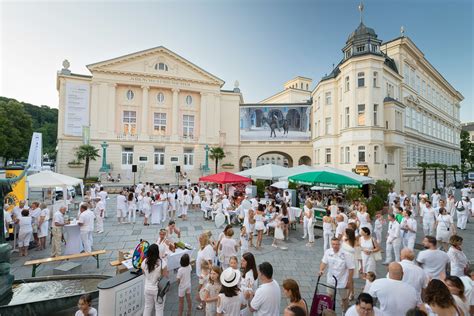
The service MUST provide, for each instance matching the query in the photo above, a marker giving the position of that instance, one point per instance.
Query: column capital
(175, 90)
(203, 94)
(145, 87)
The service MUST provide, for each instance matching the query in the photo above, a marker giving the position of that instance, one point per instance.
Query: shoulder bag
(377, 255)
(163, 285)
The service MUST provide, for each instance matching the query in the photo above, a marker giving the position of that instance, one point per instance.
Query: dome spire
(361, 10)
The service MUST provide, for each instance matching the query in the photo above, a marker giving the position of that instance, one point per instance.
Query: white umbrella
(265, 172)
(49, 179)
(280, 185)
(296, 170)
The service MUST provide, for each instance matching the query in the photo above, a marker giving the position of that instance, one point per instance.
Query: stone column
(111, 117)
(175, 118)
(202, 119)
(144, 120)
(94, 109)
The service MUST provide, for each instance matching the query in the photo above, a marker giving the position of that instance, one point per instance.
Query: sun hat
(230, 277)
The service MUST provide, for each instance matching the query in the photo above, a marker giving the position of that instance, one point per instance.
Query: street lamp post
(105, 167)
(205, 168)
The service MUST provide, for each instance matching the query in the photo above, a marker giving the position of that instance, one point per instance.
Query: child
(244, 240)
(184, 284)
(378, 227)
(369, 279)
(278, 233)
(203, 280)
(25, 232)
(234, 263)
(211, 291)
(85, 308)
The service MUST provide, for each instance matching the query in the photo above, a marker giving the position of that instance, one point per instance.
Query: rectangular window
(129, 122)
(159, 122)
(347, 84)
(341, 155)
(328, 155)
(390, 157)
(390, 91)
(127, 156)
(328, 98)
(360, 79)
(188, 126)
(376, 154)
(328, 126)
(361, 114)
(376, 111)
(159, 157)
(375, 80)
(348, 154)
(347, 118)
(360, 48)
(361, 151)
(188, 157)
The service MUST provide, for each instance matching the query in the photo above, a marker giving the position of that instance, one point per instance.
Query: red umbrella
(225, 177)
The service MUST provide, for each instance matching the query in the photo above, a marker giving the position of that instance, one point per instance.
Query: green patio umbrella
(324, 178)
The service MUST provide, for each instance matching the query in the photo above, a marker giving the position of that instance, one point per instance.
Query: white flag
(36, 152)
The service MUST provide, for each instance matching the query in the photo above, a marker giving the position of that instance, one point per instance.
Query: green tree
(445, 169)
(382, 187)
(217, 153)
(15, 130)
(435, 167)
(87, 153)
(423, 166)
(352, 194)
(467, 151)
(454, 169)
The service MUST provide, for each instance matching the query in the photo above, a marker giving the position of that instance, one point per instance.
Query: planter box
(227, 167)
(75, 165)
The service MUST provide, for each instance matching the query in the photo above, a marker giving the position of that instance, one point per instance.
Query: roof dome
(362, 31)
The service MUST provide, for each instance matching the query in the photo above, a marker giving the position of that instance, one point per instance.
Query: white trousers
(428, 228)
(327, 239)
(378, 236)
(132, 212)
(395, 247)
(164, 212)
(100, 222)
(86, 241)
(310, 229)
(409, 241)
(462, 219)
(184, 209)
(152, 307)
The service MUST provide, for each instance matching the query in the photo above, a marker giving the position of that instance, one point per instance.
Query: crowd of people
(226, 267)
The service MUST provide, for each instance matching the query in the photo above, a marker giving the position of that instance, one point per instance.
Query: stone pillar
(202, 119)
(111, 117)
(94, 107)
(174, 115)
(144, 120)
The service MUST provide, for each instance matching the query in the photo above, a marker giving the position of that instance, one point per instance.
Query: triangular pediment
(156, 62)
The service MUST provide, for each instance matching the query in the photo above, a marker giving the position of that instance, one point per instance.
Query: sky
(260, 43)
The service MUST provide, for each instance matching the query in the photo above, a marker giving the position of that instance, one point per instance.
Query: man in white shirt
(402, 197)
(465, 191)
(341, 226)
(179, 200)
(393, 240)
(57, 231)
(121, 207)
(99, 213)
(435, 197)
(266, 300)
(340, 266)
(364, 306)
(395, 296)
(103, 197)
(413, 274)
(86, 225)
(429, 218)
(391, 197)
(408, 229)
(171, 203)
(432, 260)
(164, 206)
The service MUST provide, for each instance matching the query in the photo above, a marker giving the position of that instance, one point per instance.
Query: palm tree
(435, 167)
(423, 166)
(454, 169)
(87, 153)
(216, 153)
(445, 169)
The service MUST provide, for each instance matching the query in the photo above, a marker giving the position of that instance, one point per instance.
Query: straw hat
(230, 277)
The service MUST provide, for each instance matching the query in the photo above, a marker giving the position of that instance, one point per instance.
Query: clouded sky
(261, 43)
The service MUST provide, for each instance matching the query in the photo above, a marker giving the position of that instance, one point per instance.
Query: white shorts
(121, 213)
(183, 292)
(24, 239)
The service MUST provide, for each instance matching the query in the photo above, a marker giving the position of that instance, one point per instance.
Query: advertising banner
(19, 188)
(275, 122)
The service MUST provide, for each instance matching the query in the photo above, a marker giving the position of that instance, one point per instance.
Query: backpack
(460, 209)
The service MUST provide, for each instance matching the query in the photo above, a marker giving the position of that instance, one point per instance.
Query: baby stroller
(323, 301)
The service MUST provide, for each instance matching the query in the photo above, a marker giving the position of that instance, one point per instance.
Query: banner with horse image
(275, 122)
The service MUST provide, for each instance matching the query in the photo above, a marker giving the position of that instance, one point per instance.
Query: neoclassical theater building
(383, 109)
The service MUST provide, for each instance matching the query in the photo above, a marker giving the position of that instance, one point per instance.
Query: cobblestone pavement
(298, 262)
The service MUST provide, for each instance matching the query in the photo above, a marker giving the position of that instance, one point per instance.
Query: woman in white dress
(351, 246)
(259, 225)
(205, 252)
(196, 197)
(364, 218)
(368, 247)
(229, 299)
(153, 267)
(328, 233)
(248, 284)
(444, 228)
(131, 208)
(308, 227)
(227, 248)
(43, 226)
(458, 259)
(146, 208)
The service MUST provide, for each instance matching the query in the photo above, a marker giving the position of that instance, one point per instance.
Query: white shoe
(304, 237)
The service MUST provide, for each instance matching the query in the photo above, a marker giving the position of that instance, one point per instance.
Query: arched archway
(275, 157)
(304, 160)
(245, 163)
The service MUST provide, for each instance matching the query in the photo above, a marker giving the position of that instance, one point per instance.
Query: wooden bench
(36, 263)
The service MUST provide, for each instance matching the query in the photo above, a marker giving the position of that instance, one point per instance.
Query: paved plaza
(298, 262)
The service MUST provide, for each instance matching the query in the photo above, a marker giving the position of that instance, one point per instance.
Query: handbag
(460, 209)
(163, 285)
(377, 254)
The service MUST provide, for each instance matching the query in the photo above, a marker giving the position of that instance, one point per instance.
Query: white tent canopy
(265, 172)
(355, 176)
(280, 185)
(49, 179)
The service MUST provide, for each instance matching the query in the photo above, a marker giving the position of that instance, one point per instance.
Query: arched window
(189, 100)
(161, 66)
(160, 97)
(130, 95)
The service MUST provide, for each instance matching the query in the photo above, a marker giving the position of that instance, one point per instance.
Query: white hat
(230, 277)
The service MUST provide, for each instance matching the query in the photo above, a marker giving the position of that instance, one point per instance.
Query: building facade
(380, 112)
(383, 110)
